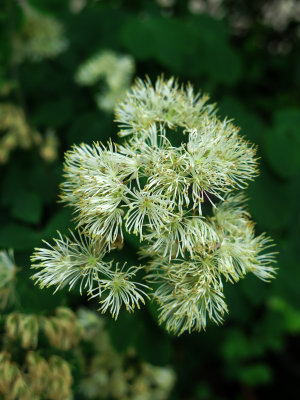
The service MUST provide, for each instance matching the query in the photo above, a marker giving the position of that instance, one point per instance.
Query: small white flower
(239, 251)
(118, 289)
(106, 225)
(147, 210)
(68, 262)
(80, 261)
(163, 103)
(189, 290)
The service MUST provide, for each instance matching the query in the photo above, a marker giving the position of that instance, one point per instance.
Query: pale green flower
(80, 261)
(190, 290)
(119, 289)
(176, 183)
(114, 69)
(68, 262)
(147, 210)
(165, 103)
(42, 36)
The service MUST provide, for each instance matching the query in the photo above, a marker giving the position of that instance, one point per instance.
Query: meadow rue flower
(80, 261)
(114, 69)
(176, 183)
(119, 289)
(42, 36)
(68, 262)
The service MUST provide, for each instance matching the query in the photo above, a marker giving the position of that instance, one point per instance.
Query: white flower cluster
(42, 36)
(115, 70)
(280, 13)
(178, 199)
(80, 261)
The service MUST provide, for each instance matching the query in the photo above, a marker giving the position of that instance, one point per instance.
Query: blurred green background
(246, 55)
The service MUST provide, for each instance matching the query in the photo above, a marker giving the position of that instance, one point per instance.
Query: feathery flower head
(119, 289)
(80, 261)
(176, 183)
(165, 103)
(68, 262)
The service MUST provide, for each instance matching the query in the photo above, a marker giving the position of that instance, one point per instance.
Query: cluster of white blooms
(80, 261)
(115, 70)
(280, 13)
(178, 199)
(42, 36)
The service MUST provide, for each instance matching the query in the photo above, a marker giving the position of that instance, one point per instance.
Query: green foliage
(282, 142)
(256, 353)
